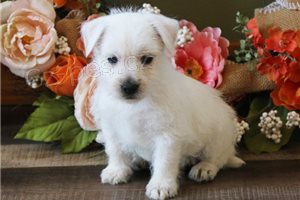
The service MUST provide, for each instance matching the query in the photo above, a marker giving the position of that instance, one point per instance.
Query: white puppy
(148, 111)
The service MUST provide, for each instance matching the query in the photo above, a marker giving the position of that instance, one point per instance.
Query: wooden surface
(257, 180)
(35, 171)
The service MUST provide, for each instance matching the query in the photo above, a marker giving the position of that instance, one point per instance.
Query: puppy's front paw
(162, 189)
(203, 171)
(115, 175)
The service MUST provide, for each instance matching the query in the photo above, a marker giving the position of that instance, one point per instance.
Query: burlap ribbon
(286, 16)
(239, 79)
(70, 28)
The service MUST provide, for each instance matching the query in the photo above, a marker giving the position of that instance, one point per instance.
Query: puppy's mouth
(135, 97)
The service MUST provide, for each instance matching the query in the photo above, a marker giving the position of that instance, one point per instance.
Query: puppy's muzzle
(130, 88)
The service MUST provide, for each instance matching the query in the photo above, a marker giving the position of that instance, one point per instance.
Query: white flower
(293, 119)
(270, 126)
(61, 46)
(241, 128)
(184, 36)
(147, 8)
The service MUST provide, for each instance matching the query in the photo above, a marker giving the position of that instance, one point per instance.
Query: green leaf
(242, 44)
(238, 59)
(47, 122)
(47, 95)
(254, 140)
(98, 5)
(76, 139)
(67, 100)
(54, 120)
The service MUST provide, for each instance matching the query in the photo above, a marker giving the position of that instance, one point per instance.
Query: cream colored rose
(27, 36)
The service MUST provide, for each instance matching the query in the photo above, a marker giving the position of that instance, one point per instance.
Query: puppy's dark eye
(146, 60)
(112, 60)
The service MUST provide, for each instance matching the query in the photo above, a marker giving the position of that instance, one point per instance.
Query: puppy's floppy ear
(167, 29)
(83, 93)
(91, 31)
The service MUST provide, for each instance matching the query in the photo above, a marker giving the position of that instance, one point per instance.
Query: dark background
(216, 13)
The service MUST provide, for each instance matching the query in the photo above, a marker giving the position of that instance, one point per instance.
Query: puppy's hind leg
(212, 162)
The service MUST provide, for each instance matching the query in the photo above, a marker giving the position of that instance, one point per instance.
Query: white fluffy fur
(174, 118)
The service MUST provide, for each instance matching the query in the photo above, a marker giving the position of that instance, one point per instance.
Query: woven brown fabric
(293, 1)
(239, 79)
(285, 19)
(70, 28)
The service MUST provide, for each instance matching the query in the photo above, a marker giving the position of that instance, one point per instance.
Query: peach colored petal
(38, 34)
(82, 98)
(3, 29)
(25, 29)
(25, 63)
(5, 10)
(38, 69)
(21, 47)
(43, 59)
(43, 7)
(28, 38)
(51, 42)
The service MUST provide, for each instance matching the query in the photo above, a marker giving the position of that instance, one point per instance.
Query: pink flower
(27, 36)
(203, 59)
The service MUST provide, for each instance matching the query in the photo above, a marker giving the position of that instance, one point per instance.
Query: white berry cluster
(34, 81)
(293, 119)
(61, 46)
(270, 126)
(241, 128)
(147, 8)
(184, 36)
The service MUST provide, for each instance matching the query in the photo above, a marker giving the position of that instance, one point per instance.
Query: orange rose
(70, 4)
(62, 77)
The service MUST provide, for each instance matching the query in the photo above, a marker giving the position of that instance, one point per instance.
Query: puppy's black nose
(129, 88)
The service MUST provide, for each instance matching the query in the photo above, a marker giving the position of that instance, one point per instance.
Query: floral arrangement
(37, 44)
(274, 54)
(34, 46)
(279, 60)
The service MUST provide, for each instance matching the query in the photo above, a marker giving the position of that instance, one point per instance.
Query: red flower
(296, 54)
(255, 33)
(287, 91)
(273, 67)
(298, 38)
(287, 94)
(293, 73)
(279, 41)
